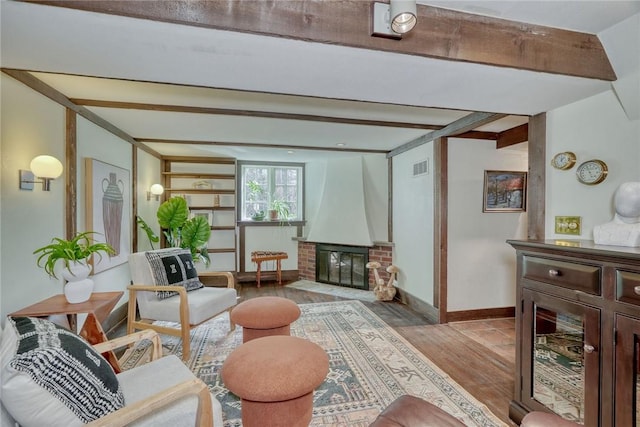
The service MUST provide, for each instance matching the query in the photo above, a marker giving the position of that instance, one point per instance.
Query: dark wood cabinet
(578, 332)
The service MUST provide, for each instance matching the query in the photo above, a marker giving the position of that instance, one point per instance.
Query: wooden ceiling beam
(250, 113)
(459, 127)
(440, 33)
(257, 145)
(39, 86)
(273, 115)
(513, 136)
(477, 134)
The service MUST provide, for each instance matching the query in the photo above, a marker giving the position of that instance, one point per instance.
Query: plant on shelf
(258, 216)
(255, 195)
(74, 251)
(182, 231)
(279, 210)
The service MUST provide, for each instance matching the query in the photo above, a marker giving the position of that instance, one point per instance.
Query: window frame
(240, 186)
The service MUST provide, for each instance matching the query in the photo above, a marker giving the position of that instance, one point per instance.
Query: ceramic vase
(78, 287)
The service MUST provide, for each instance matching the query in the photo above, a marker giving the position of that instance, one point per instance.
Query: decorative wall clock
(592, 172)
(563, 161)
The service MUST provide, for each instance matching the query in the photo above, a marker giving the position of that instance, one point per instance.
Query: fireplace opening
(342, 265)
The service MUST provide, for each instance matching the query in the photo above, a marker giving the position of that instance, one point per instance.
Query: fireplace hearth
(342, 265)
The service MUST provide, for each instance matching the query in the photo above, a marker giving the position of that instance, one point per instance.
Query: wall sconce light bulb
(46, 168)
(155, 190)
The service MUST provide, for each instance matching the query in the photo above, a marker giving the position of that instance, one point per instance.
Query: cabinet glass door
(627, 372)
(562, 357)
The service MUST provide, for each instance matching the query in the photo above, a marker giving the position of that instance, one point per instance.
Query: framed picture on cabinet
(207, 214)
(504, 191)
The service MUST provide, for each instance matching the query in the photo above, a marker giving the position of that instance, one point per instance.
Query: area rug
(370, 366)
(339, 291)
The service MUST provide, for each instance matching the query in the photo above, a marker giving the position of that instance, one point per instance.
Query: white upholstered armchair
(59, 379)
(165, 286)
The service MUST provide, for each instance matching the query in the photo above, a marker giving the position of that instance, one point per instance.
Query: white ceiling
(124, 55)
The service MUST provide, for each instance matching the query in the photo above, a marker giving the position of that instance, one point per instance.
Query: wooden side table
(259, 256)
(97, 309)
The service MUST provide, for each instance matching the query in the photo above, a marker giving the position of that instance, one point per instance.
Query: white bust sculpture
(624, 229)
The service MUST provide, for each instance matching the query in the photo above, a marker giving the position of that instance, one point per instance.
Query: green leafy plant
(79, 248)
(182, 232)
(255, 190)
(281, 207)
(151, 235)
(258, 216)
(279, 210)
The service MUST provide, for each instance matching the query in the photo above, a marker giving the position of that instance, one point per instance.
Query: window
(263, 186)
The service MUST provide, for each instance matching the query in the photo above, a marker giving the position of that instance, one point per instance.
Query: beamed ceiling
(291, 80)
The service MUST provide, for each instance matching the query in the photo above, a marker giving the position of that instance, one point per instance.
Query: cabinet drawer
(628, 287)
(585, 278)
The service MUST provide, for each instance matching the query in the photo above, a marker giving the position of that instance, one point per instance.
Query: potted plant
(182, 231)
(279, 210)
(255, 195)
(74, 254)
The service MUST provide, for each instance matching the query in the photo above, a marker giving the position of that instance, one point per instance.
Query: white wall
(594, 128)
(376, 195)
(31, 125)
(481, 265)
(355, 186)
(95, 142)
(279, 239)
(148, 173)
(413, 223)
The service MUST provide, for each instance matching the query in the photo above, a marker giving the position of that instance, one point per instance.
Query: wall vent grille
(421, 168)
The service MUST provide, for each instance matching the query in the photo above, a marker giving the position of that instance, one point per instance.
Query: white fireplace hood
(341, 217)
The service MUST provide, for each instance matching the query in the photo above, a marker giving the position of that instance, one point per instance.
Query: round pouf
(275, 377)
(265, 316)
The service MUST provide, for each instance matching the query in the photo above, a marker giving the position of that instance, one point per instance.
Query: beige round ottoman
(265, 316)
(275, 377)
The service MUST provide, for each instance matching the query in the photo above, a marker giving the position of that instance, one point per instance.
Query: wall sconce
(45, 168)
(394, 19)
(155, 190)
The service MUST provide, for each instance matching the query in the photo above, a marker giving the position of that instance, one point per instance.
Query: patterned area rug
(370, 365)
(559, 374)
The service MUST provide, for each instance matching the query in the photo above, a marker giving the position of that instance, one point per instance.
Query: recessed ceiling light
(290, 151)
(341, 144)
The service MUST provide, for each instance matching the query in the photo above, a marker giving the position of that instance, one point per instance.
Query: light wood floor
(465, 357)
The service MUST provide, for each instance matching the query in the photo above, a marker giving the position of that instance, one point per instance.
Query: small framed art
(207, 214)
(504, 191)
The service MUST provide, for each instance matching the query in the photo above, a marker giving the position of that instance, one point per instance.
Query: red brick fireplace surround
(380, 252)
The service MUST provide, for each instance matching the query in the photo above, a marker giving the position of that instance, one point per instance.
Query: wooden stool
(275, 377)
(259, 256)
(264, 316)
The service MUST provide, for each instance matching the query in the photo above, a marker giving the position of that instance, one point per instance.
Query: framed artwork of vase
(108, 211)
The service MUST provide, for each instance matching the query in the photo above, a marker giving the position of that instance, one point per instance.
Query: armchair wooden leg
(186, 343)
(131, 312)
(232, 325)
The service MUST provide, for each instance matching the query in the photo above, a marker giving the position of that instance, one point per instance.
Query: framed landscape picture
(504, 191)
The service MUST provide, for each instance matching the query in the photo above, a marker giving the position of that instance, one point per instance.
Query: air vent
(421, 168)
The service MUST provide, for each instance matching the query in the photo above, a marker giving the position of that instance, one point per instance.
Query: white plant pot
(78, 287)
